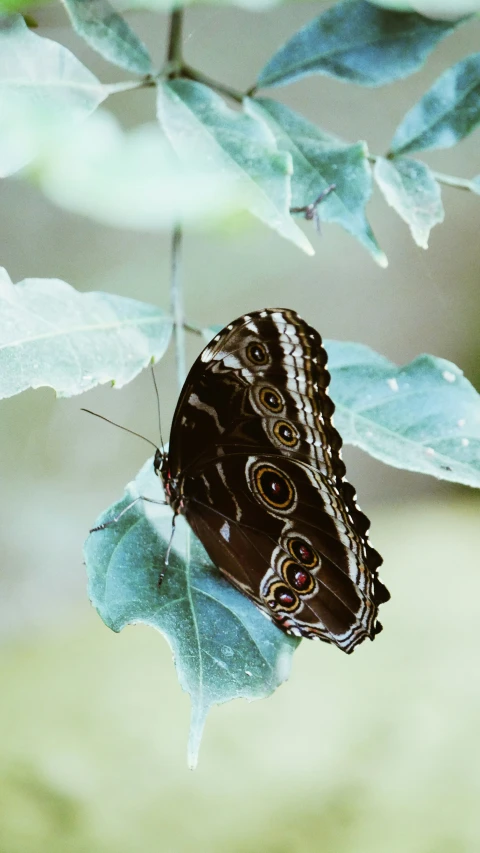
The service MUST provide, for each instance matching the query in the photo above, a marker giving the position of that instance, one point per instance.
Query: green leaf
(223, 646)
(51, 335)
(130, 179)
(448, 112)
(320, 160)
(423, 417)
(410, 188)
(200, 127)
(38, 75)
(108, 33)
(358, 42)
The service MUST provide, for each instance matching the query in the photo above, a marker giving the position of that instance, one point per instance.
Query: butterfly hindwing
(255, 466)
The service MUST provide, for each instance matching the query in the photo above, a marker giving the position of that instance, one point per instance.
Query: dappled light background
(371, 752)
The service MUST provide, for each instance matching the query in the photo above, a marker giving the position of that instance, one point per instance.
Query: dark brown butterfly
(254, 465)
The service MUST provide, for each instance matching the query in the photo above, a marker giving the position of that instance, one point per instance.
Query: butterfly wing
(255, 462)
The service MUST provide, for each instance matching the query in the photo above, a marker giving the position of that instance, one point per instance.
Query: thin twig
(174, 50)
(174, 64)
(176, 301)
(453, 181)
(129, 85)
(199, 77)
(194, 329)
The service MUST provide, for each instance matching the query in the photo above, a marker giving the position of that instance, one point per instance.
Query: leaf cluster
(203, 161)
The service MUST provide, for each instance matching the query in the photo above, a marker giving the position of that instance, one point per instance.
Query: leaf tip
(302, 241)
(197, 724)
(284, 662)
(422, 242)
(381, 259)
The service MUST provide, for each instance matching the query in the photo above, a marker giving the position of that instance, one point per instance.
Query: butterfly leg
(124, 510)
(170, 542)
(167, 555)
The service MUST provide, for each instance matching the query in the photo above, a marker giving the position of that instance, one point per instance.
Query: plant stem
(176, 302)
(452, 181)
(128, 85)
(174, 51)
(193, 74)
(174, 65)
(194, 329)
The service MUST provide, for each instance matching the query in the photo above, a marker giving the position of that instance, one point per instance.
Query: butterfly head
(158, 462)
(170, 484)
(160, 467)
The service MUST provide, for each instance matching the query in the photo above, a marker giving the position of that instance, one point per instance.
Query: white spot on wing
(206, 354)
(225, 531)
(429, 451)
(465, 442)
(197, 404)
(461, 422)
(449, 376)
(393, 384)
(238, 510)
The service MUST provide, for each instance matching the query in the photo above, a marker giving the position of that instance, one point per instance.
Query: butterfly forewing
(255, 466)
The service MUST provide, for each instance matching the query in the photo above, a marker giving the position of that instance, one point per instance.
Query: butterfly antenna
(158, 411)
(125, 429)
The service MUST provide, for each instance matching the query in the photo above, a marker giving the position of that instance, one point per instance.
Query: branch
(199, 77)
(452, 181)
(174, 50)
(176, 302)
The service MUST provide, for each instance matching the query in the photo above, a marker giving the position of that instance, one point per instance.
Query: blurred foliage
(255, 157)
(448, 10)
(104, 30)
(372, 752)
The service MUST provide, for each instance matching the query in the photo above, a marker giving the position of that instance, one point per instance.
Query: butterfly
(254, 465)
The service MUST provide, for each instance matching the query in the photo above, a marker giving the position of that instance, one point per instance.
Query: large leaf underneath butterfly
(254, 464)
(223, 646)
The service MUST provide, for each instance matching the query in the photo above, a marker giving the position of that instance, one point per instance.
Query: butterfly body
(254, 465)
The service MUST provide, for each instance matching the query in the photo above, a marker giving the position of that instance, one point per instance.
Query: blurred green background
(378, 751)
